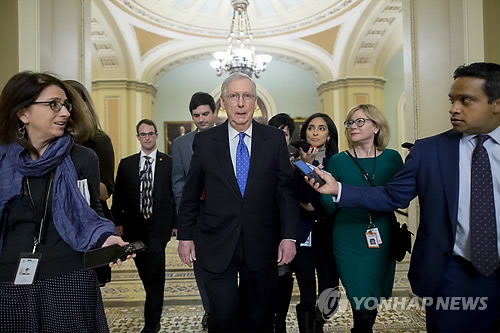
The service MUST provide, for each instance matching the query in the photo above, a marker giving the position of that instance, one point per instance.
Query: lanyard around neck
(38, 239)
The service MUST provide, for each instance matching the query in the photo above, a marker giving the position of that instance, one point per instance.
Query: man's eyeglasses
(143, 135)
(234, 98)
(360, 122)
(56, 106)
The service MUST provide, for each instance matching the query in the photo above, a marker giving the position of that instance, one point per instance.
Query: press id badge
(27, 268)
(375, 230)
(371, 240)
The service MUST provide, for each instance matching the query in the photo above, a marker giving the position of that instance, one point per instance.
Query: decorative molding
(377, 33)
(103, 46)
(137, 86)
(109, 62)
(337, 9)
(350, 82)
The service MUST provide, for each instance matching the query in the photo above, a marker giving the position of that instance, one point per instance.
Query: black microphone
(407, 145)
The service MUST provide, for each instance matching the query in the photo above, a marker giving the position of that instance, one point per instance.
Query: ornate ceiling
(142, 39)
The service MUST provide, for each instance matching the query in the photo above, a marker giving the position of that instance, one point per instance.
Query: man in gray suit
(202, 109)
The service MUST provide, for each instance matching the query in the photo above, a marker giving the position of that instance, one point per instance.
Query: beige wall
(339, 96)
(9, 40)
(120, 104)
(491, 27)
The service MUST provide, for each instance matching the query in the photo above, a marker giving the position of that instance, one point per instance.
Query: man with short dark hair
(144, 208)
(455, 174)
(202, 110)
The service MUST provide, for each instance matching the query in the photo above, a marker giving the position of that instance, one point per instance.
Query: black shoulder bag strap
(368, 178)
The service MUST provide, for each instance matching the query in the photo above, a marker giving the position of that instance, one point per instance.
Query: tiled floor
(124, 299)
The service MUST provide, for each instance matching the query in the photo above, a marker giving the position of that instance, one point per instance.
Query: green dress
(365, 272)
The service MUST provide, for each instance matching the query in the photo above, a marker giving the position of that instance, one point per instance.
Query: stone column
(339, 96)
(120, 105)
(47, 36)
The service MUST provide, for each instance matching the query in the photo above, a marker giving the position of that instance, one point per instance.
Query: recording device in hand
(104, 255)
(301, 144)
(308, 172)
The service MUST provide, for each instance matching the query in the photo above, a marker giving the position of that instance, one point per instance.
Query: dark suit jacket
(181, 158)
(267, 213)
(126, 200)
(431, 172)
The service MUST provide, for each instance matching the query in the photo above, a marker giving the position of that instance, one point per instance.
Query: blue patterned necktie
(242, 163)
(147, 189)
(484, 252)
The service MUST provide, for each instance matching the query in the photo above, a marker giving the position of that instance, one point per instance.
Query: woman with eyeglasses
(361, 238)
(49, 211)
(314, 236)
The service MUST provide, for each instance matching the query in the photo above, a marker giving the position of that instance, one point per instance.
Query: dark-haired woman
(101, 144)
(49, 211)
(314, 240)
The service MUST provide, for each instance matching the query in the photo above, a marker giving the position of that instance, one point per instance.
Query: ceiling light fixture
(240, 54)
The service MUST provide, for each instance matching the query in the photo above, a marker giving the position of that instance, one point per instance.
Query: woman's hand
(331, 186)
(116, 240)
(310, 155)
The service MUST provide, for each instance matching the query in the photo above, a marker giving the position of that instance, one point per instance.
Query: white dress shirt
(466, 147)
(233, 142)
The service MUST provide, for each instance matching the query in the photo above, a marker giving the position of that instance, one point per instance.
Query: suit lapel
(448, 167)
(136, 172)
(159, 171)
(258, 145)
(223, 154)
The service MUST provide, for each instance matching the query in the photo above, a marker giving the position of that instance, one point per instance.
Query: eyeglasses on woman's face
(56, 106)
(360, 122)
(234, 98)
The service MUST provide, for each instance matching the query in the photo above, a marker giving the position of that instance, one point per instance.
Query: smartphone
(301, 144)
(104, 255)
(308, 172)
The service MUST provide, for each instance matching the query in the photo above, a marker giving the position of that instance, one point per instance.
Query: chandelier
(240, 54)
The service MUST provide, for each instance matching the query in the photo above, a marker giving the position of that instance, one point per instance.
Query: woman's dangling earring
(21, 132)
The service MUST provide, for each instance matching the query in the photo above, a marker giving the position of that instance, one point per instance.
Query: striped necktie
(147, 189)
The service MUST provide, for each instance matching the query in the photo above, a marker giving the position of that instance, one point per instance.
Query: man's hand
(186, 252)
(331, 186)
(286, 251)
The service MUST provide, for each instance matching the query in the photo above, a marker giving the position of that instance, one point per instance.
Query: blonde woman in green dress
(364, 264)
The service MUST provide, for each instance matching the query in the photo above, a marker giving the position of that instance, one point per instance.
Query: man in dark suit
(451, 265)
(144, 209)
(245, 223)
(202, 109)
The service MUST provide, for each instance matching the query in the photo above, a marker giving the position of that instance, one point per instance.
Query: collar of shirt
(142, 160)
(495, 137)
(233, 136)
(234, 133)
